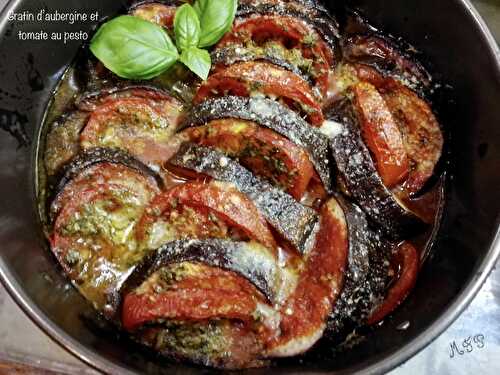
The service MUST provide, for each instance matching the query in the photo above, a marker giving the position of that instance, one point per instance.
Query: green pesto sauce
(194, 340)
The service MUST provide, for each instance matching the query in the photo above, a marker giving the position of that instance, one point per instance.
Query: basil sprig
(197, 60)
(133, 48)
(186, 27)
(216, 18)
(187, 31)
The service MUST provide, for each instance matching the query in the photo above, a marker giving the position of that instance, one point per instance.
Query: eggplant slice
(93, 229)
(221, 343)
(64, 139)
(88, 158)
(272, 115)
(359, 176)
(90, 100)
(160, 12)
(310, 11)
(384, 55)
(84, 172)
(251, 260)
(319, 285)
(366, 274)
(62, 142)
(295, 222)
(271, 53)
(264, 152)
(202, 210)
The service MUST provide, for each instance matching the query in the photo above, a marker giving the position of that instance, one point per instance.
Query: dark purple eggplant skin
(63, 138)
(394, 63)
(295, 222)
(89, 100)
(62, 142)
(366, 274)
(273, 115)
(361, 180)
(260, 267)
(95, 156)
(310, 11)
(396, 59)
(233, 54)
(100, 155)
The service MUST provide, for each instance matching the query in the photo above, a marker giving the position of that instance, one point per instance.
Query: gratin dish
(462, 256)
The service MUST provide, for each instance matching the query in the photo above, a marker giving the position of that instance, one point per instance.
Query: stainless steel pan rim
(382, 365)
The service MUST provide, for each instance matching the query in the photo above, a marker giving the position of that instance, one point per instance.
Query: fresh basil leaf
(186, 27)
(133, 48)
(216, 18)
(198, 61)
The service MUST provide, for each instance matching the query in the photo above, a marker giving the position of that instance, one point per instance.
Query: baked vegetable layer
(293, 221)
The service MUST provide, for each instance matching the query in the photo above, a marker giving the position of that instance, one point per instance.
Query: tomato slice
(156, 97)
(202, 210)
(224, 311)
(93, 240)
(292, 33)
(381, 134)
(407, 261)
(99, 177)
(158, 13)
(384, 55)
(261, 150)
(190, 292)
(254, 78)
(96, 213)
(220, 343)
(137, 125)
(421, 132)
(320, 283)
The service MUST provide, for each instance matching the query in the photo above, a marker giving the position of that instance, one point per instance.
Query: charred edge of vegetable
(358, 26)
(98, 155)
(309, 11)
(364, 282)
(234, 54)
(293, 221)
(250, 260)
(359, 175)
(89, 99)
(272, 115)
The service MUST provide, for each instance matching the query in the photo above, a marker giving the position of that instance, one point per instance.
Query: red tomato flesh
(381, 134)
(250, 78)
(261, 150)
(407, 261)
